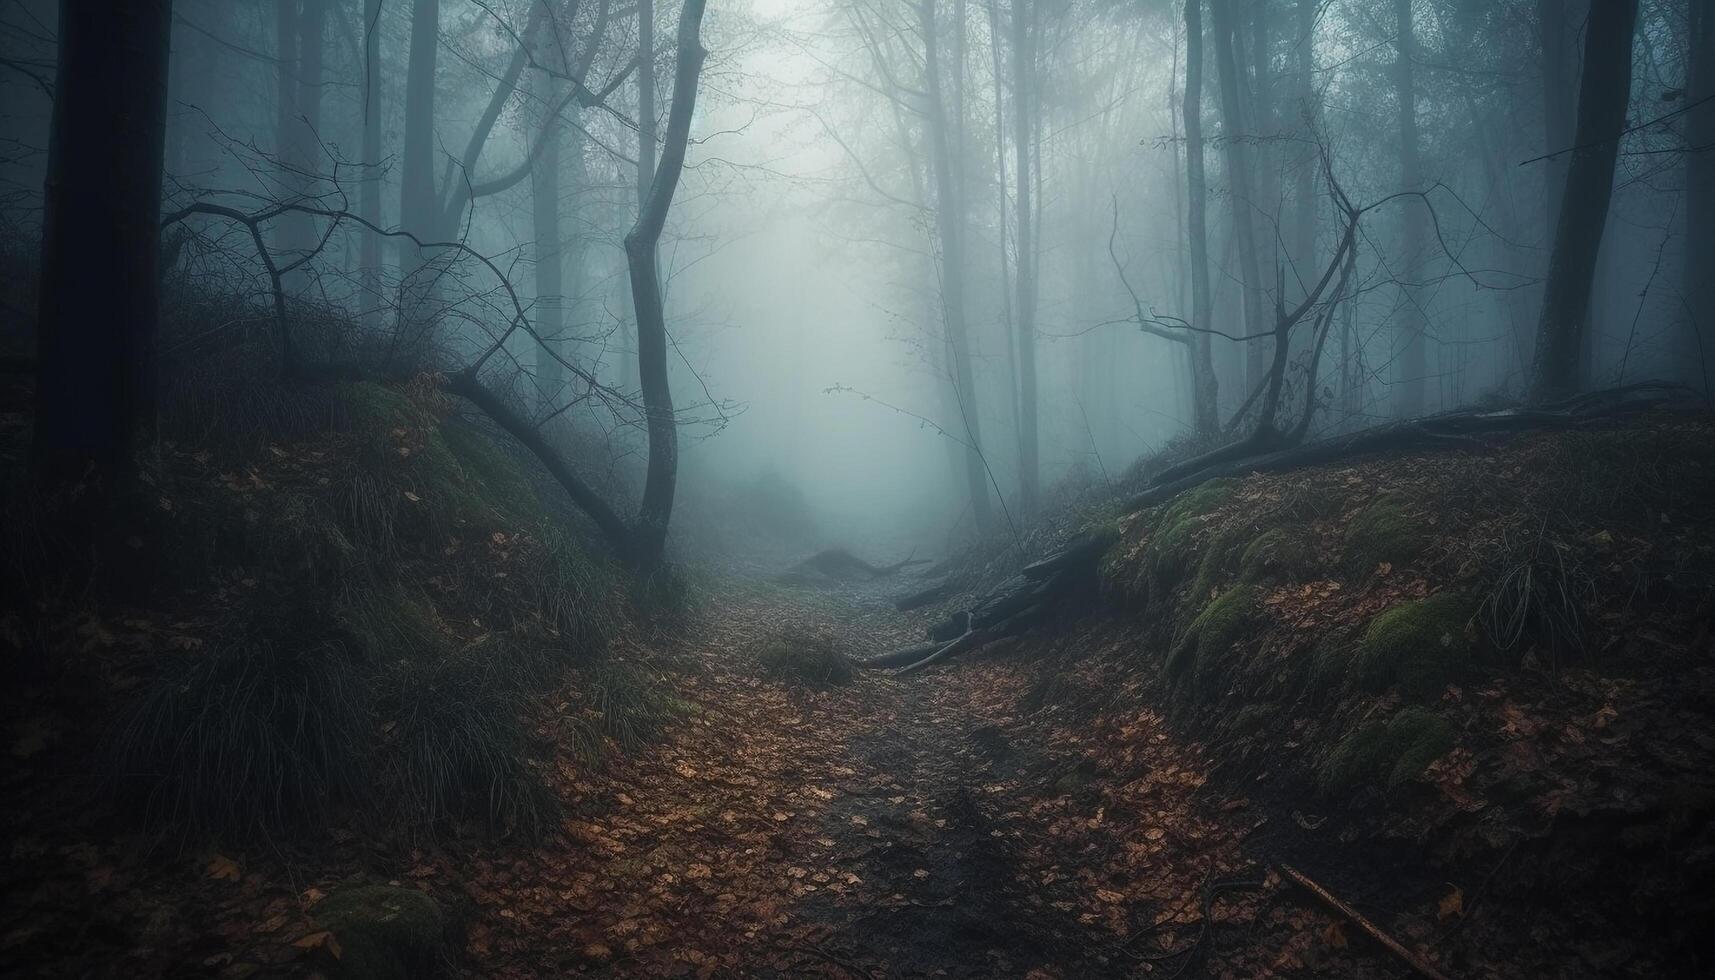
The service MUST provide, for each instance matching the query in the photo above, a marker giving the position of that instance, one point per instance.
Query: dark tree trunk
(1414, 355)
(98, 306)
(1205, 387)
(1023, 64)
(1241, 185)
(369, 193)
(419, 205)
(545, 196)
(1699, 284)
(1604, 91)
(649, 535)
(950, 221)
(302, 133)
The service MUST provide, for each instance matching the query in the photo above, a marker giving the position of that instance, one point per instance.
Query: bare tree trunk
(1413, 358)
(1205, 387)
(649, 535)
(99, 294)
(949, 221)
(369, 192)
(1256, 110)
(1604, 91)
(550, 263)
(1699, 285)
(303, 135)
(1243, 189)
(1023, 65)
(645, 99)
(419, 205)
(1007, 320)
(1304, 187)
(288, 234)
(1556, 49)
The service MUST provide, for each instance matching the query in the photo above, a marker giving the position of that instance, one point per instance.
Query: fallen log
(924, 597)
(902, 657)
(1458, 428)
(1081, 551)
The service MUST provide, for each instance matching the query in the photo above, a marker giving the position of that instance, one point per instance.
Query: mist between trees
(918, 259)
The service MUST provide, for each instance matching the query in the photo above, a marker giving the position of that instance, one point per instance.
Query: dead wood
(917, 600)
(1459, 428)
(1370, 929)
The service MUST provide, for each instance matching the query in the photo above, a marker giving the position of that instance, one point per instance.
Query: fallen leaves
(323, 940)
(222, 868)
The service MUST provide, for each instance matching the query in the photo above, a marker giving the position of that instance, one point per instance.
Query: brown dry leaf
(321, 940)
(1452, 904)
(1335, 935)
(223, 868)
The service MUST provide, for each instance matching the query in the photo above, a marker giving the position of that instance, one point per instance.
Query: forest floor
(1058, 805)
(891, 827)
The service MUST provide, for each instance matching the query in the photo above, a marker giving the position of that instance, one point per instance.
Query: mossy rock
(1203, 651)
(1251, 719)
(383, 932)
(1383, 532)
(1216, 564)
(1387, 752)
(1169, 543)
(1277, 555)
(814, 663)
(1418, 646)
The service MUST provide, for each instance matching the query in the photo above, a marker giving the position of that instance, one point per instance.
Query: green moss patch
(383, 933)
(1277, 555)
(1417, 646)
(1383, 532)
(1170, 541)
(1203, 652)
(1388, 752)
(1220, 553)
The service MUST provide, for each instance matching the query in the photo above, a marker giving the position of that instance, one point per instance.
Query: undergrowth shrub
(455, 747)
(631, 705)
(1539, 598)
(263, 733)
(815, 662)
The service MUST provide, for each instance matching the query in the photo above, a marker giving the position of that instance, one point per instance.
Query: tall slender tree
(1205, 388)
(1699, 285)
(99, 296)
(1604, 90)
(1413, 358)
(1023, 135)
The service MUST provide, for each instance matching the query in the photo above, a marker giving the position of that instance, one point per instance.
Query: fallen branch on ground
(1370, 929)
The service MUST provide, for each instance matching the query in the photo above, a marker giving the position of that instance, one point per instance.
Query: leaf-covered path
(919, 826)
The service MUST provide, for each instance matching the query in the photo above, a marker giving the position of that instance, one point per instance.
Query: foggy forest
(857, 488)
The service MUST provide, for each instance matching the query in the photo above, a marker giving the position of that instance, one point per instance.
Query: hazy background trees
(1041, 237)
